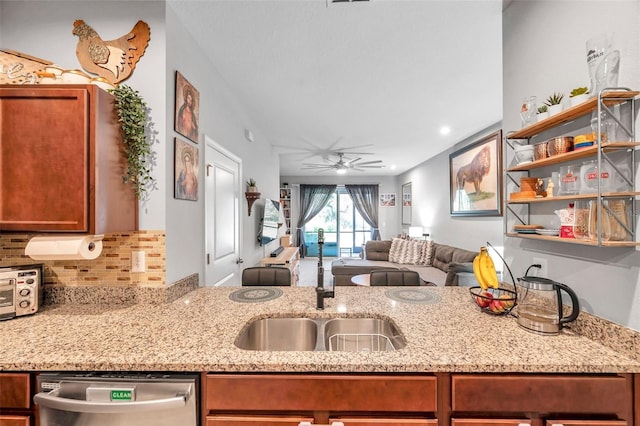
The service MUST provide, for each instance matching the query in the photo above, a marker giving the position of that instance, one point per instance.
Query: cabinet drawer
(585, 423)
(16, 389)
(351, 421)
(321, 393)
(239, 420)
(542, 393)
(492, 422)
(14, 421)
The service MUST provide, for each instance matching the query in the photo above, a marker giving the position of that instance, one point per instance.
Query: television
(269, 223)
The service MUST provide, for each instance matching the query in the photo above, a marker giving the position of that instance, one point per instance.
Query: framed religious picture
(185, 171)
(475, 174)
(187, 109)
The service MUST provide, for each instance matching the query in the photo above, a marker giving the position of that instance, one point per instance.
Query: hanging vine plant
(132, 116)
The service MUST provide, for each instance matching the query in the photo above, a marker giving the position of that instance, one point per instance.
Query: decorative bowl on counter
(496, 301)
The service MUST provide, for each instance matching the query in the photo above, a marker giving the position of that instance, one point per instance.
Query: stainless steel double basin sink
(321, 334)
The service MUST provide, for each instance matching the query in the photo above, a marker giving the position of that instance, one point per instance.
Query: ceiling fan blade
(350, 162)
(369, 162)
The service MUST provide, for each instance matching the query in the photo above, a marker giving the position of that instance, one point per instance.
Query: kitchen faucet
(321, 293)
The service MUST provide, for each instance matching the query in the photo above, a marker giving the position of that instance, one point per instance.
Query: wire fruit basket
(496, 301)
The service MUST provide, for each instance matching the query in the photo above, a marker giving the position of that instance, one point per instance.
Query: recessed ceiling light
(445, 130)
(393, 167)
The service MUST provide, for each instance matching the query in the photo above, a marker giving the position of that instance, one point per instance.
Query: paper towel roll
(61, 247)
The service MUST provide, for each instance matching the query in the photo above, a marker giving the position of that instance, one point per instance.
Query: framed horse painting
(475, 174)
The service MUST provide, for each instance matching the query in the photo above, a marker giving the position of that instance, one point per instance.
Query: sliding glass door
(345, 232)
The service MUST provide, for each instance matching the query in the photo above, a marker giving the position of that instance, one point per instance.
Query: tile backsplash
(109, 277)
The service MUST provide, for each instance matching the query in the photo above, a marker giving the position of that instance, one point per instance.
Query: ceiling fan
(343, 164)
(309, 150)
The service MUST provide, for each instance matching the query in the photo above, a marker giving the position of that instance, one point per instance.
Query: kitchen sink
(279, 334)
(362, 335)
(321, 334)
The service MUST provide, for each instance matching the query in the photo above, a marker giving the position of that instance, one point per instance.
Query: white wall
(431, 204)
(544, 53)
(223, 120)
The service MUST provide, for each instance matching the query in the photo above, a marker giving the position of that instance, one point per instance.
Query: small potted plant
(542, 113)
(554, 103)
(251, 185)
(578, 95)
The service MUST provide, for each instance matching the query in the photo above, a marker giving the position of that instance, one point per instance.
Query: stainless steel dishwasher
(100, 399)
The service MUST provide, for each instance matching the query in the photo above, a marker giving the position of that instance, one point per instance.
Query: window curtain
(365, 199)
(313, 198)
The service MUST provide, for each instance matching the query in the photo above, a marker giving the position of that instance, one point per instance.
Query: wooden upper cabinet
(61, 161)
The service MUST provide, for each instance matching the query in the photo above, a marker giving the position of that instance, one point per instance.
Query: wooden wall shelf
(252, 197)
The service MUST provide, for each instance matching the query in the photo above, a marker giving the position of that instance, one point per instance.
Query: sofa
(437, 264)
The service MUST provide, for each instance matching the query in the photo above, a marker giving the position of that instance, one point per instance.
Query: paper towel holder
(65, 247)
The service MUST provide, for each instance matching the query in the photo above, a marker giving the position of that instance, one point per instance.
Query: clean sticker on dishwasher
(122, 395)
(109, 394)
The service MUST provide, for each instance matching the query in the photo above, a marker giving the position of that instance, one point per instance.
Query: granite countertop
(197, 333)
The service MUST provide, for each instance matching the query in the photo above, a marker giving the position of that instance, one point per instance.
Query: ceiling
(380, 76)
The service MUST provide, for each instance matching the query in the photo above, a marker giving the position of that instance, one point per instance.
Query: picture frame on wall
(406, 203)
(187, 109)
(186, 162)
(388, 200)
(475, 176)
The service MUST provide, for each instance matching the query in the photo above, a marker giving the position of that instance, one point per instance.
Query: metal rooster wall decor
(114, 60)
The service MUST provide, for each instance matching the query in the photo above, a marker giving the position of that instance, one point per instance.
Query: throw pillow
(406, 252)
(427, 253)
(394, 251)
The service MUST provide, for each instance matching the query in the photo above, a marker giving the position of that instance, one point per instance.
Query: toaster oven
(21, 290)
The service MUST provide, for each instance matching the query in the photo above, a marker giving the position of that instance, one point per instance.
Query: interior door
(222, 227)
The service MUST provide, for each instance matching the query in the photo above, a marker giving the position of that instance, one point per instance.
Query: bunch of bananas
(485, 270)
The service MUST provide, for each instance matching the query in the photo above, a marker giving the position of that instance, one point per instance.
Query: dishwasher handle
(52, 400)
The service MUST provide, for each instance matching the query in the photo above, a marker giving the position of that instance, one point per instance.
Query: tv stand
(277, 251)
(289, 258)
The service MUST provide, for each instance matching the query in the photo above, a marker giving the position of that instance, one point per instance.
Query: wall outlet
(138, 262)
(542, 272)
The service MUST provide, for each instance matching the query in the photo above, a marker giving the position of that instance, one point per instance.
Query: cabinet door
(239, 420)
(15, 390)
(281, 392)
(492, 422)
(44, 159)
(585, 423)
(14, 421)
(352, 421)
(606, 395)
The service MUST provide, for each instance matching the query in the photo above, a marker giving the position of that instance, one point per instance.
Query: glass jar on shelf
(591, 174)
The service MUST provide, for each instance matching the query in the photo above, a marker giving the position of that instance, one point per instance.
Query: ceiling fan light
(341, 171)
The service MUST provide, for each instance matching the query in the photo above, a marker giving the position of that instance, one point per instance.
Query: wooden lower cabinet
(544, 399)
(15, 399)
(350, 421)
(288, 399)
(240, 420)
(421, 399)
(490, 422)
(15, 420)
(561, 422)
